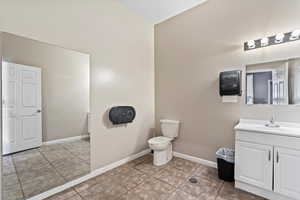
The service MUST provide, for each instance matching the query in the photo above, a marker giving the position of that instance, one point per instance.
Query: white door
(9, 107)
(22, 124)
(286, 172)
(254, 164)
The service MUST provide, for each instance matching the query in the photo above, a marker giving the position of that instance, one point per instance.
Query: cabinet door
(254, 164)
(286, 172)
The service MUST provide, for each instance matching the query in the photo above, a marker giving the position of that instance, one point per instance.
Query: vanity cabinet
(267, 162)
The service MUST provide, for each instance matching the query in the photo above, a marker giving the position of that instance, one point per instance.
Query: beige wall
(1, 114)
(122, 65)
(65, 84)
(190, 51)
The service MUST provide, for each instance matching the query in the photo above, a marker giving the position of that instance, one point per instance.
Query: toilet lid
(159, 140)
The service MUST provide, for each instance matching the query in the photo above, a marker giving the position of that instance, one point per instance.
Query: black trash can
(225, 160)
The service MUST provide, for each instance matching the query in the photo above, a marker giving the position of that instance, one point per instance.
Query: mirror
(276, 83)
(45, 94)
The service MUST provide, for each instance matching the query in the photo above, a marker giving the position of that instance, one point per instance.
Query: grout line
(140, 182)
(177, 187)
(127, 190)
(81, 197)
(191, 174)
(174, 188)
(163, 181)
(75, 154)
(219, 190)
(53, 167)
(87, 177)
(152, 175)
(17, 173)
(57, 169)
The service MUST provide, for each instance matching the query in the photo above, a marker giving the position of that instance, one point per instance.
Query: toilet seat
(159, 140)
(159, 143)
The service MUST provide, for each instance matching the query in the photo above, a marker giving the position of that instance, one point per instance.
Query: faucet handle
(272, 120)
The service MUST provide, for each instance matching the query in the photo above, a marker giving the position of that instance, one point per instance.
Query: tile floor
(140, 180)
(28, 173)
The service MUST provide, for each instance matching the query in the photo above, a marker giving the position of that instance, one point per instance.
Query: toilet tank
(169, 128)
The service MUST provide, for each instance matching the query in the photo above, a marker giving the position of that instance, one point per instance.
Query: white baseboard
(196, 159)
(92, 174)
(121, 162)
(260, 191)
(68, 139)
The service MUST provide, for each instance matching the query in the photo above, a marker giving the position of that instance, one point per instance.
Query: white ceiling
(156, 11)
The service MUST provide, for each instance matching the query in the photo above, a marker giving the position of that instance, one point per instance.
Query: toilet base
(163, 157)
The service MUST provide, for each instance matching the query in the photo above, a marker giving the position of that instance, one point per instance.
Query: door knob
(39, 111)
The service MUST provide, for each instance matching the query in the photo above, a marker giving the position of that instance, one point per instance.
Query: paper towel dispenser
(230, 83)
(121, 114)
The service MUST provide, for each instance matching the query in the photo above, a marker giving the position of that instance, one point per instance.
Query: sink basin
(261, 126)
(272, 125)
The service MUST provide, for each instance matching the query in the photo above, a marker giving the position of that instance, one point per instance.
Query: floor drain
(193, 180)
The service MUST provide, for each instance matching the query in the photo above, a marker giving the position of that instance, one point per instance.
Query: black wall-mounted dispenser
(121, 114)
(230, 83)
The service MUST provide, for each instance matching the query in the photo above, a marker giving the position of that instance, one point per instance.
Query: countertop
(259, 126)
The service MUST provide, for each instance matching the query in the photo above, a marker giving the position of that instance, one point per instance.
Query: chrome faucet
(272, 123)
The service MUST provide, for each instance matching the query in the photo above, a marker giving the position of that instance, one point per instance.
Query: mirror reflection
(45, 116)
(276, 83)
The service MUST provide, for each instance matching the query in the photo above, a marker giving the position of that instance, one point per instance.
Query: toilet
(162, 145)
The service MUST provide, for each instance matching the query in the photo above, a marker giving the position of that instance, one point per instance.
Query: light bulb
(295, 35)
(279, 38)
(251, 44)
(264, 42)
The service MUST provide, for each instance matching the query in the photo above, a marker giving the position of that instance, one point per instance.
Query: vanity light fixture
(295, 35)
(251, 44)
(264, 42)
(279, 38)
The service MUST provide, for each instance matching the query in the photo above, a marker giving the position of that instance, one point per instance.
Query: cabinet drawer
(268, 139)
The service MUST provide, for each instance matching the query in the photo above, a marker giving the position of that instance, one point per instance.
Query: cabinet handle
(277, 157)
(269, 155)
